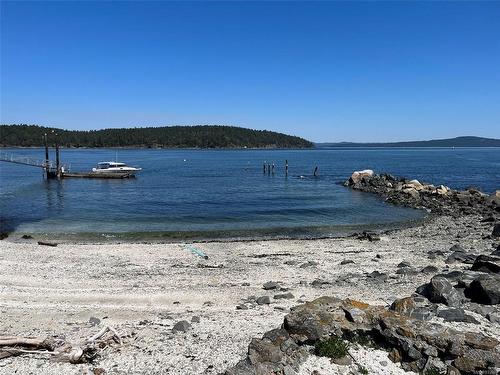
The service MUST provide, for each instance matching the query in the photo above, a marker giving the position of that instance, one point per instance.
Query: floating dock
(96, 175)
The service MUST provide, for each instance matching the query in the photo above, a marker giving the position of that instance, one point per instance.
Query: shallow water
(221, 193)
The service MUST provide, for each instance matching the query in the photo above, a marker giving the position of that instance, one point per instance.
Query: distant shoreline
(253, 148)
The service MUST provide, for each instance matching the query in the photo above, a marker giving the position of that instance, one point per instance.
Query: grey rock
(456, 315)
(433, 254)
(284, 296)
(378, 276)
(270, 285)
(346, 261)
(480, 309)
(440, 290)
(264, 300)
(460, 256)
(404, 264)
(487, 263)
(429, 269)
(310, 263)
(241, 307)
(496, 230)
(406, 271)
(94, 321)
(342, 361)
(181, 326)
(485, 289)
(413, 353)
(319, 283)
(494, 317)
(195, 319)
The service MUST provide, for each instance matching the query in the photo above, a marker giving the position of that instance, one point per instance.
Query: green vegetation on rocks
(333, 347)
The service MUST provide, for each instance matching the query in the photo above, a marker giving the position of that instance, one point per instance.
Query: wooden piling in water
(46, 155)
(58, 163)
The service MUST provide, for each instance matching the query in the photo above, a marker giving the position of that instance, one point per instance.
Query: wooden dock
(58, 170)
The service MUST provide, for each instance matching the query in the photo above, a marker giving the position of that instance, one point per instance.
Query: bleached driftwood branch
(58, 350)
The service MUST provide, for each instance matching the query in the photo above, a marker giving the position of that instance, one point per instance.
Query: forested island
(200, 136)
(467, 141)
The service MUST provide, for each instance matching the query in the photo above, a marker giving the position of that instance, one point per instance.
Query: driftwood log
(60, 350)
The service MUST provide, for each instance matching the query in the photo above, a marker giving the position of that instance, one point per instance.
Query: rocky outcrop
(415, 343)
(439, 200)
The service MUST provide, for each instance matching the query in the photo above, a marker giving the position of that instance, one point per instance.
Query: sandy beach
(143, 290)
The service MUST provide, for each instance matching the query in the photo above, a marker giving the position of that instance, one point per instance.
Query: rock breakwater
(436, 199)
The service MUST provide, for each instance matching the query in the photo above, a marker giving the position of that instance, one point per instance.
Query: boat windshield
(110, 164)
(103, 165)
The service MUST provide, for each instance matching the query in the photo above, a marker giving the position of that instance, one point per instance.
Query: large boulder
(357, 176)
(440, 290)
(485, 289)
(487, 263)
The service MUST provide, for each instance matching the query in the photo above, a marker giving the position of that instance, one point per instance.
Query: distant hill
(450, 142)
(202, 136)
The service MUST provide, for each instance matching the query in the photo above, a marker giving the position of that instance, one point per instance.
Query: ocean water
(224, 193)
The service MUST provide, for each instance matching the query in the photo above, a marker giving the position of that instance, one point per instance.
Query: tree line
(199, 136)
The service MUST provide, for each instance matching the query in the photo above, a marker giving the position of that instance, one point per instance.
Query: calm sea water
(215, 193)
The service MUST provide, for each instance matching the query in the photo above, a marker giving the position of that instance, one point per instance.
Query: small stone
(270, 285)
(379, 276)
(195, 319)
(94, 321)
(241, 307)
(404, 264)
(346, 261)
(264, 300)
(310, 263)
(318, 283)
(342, 361)
(429, 269)
(456, 315)
(406, 271)
(181, 326)
(284, 296)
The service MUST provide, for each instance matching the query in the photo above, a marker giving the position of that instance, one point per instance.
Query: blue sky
(327, 71)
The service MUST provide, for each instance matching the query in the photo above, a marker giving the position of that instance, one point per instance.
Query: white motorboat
(115, 167)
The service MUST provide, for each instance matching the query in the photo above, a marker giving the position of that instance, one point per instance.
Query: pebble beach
(242, 290)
